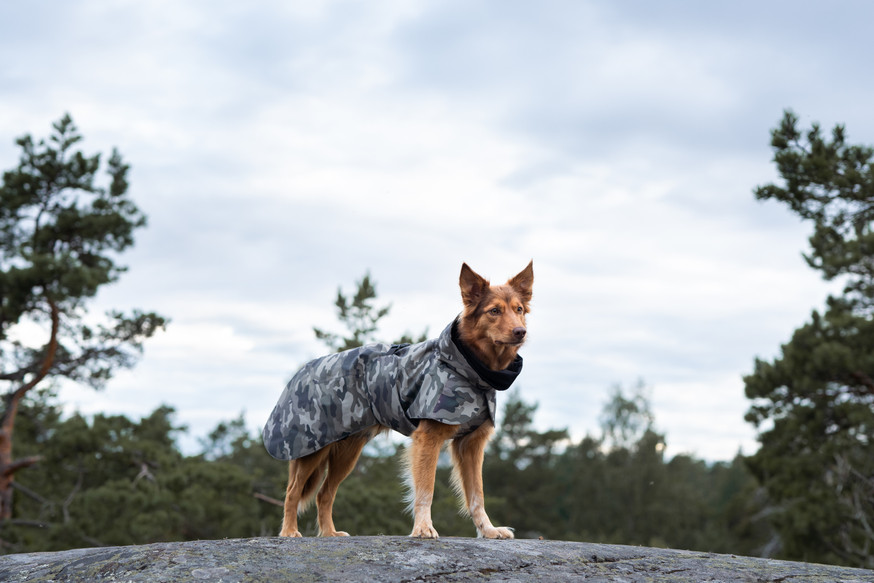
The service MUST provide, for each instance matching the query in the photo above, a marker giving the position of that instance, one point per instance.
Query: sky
(281, 150)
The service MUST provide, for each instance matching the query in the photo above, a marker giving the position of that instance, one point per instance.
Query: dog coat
(335, 396)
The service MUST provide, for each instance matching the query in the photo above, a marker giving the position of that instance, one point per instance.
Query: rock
(397, 559)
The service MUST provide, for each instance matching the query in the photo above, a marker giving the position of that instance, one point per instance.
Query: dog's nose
(519, 332)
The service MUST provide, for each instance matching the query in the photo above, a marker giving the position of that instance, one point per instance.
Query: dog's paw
(424, 531)
(497, 532)
(335, 533)
(291, 533)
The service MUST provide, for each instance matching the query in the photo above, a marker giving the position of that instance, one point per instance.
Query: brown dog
(490, 329)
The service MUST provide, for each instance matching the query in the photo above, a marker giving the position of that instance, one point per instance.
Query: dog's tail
(312, 485)
(407, 475)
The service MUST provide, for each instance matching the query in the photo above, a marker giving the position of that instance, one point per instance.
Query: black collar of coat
(500, 380)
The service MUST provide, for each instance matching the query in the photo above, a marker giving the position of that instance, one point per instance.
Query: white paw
(497, 532)
(424, 531)
(292, 533)
(335, 533)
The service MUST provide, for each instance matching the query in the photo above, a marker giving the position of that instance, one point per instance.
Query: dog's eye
(495, 311)
(520, 309)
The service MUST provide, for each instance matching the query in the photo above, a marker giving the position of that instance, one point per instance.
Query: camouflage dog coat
(337, 395)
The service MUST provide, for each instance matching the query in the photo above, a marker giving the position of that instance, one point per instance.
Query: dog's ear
(472, 285)
(523, 282)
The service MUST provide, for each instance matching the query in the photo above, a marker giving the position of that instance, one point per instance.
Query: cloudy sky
(282, 149)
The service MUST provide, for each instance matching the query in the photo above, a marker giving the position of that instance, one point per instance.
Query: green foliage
(358, 314)
(626, 419)
(831, 184)
(814, 405)
(371, 500)
(520, 472)
(815, 408)
(110, 480)
(113, 481)
(58, 229)
(604, 491)
(60, 234)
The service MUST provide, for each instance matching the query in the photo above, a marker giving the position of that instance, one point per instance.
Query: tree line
(807, 493)
(110, 480)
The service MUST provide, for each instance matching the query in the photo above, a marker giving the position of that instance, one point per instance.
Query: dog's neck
(494, 356)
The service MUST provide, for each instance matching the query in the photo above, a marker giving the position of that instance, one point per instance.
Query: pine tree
(358, 314)
(60, 234)
(814, 405)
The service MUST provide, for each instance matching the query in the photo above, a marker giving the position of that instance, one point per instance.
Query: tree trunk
(8, 466)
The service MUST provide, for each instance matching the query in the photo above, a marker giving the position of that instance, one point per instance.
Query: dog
(434, 391)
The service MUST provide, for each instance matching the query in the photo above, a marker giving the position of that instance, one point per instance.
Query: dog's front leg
(428, 439)
(467, 458)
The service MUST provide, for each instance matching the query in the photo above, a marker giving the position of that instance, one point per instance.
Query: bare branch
(268, 499)
(8, 470)
(69, 499)
(30, 493)
(144, 473)
(8, 422)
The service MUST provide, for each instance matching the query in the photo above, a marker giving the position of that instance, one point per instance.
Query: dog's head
(493, 320)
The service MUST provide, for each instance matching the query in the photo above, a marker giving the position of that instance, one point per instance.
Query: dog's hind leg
(341, 461)
(467, 461)
(304, 477)
(428, 439)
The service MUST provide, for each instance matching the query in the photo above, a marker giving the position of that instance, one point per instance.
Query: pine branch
(6, 426)
(9, 470)
(30, 493)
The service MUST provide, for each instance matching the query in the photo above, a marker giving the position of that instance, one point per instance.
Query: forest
(71, 481)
